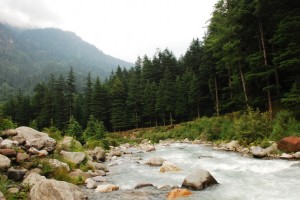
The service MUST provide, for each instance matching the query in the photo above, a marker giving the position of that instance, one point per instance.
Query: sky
(124, 29)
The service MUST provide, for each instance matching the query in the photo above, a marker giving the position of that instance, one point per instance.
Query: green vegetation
(5, 184)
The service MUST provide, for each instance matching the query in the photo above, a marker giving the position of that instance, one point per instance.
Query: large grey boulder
(36, 139)
(58, 190)
(32, 178)
(155, 161)
(198, 180)
(73, 157)
(4, 162)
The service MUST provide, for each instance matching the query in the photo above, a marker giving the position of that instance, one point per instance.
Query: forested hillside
(29, 56)
(250, 57)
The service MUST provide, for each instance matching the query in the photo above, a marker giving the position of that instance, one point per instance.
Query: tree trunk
(229, 83)
(217, 97)
(266, 64)
(243, 83)
(136, 120)
(164, 119)
(198, 110)
(171, 119)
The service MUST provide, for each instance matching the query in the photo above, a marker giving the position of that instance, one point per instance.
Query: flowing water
(239, 177)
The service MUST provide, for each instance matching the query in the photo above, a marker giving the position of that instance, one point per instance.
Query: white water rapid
(239, 177)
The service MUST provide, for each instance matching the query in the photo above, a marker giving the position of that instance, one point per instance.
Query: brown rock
(16, 174)
(177, 193)
(169, 167)
(9, 133)
(21, 157)
(289, 144)
(8, 152)
(142, 185)
(106, 188)
(78, 173)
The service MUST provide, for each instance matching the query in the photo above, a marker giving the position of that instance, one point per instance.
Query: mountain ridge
(31, 55)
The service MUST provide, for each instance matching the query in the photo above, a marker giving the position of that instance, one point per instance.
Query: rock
(2, 197)
(79, 173)
(58, 164)
(142, 185)
(271, 149)
(117, 153)
(90, 183)
(8, 144)
(20, 139)
(32, 178)
(289, 144)
(8, 152)
(147, 147)
(36, 139)
(67, 142)
(98, 166)
(297, 154)
(1, 140)
(51, 189)
(286, 156)
(17, 173)
(257, 152)
(177, 193)
(36, 170)
(9, 133)
(40, 153)
(106, 188)
(74, 157)
(98, 154)
(232, 146)
(245, 150)
(296, 164)
(4, 162)
(155, 161)
(100, 172)
(21, 157)
(13, 190)
(198, 180)
(169, 167)
(99, 179)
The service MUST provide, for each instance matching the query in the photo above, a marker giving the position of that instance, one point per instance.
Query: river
(239, 177)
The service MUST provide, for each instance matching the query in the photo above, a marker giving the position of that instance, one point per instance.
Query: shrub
(285, 125)
(74, 129)
(6, 123)
(54, 133)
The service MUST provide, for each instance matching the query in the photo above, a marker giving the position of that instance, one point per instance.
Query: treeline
(250, 57)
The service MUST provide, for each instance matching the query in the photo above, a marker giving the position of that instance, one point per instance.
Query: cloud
(28, 13)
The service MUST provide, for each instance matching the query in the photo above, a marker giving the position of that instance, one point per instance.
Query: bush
(95, 130)
(6, 123)
(54, 133)
(285, 125)
(74, 129)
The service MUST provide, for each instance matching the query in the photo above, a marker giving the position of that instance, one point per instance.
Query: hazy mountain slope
(28, 56)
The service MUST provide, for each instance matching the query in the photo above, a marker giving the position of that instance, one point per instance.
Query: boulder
(58, 164)
(98, 154)
(289, 144)
(4, 162)
(106, 188)
(51, 189)
(271, 149)
(67, 142)
(147, 147)
(98, 166)
(73, 157)
(177, 193)
(198, 180)
(2, 197)
(257, 152)
(297, 154)
(232, 146)
(8, 152)
(79, 173)
(1, 140)
(36, 139)
(21, 157)
(20, 139)
(155, 161)
(142, 185)
(169, 167)
(9, 133)
(13, 190)
(286, 156)
(32, 178)
(37, 152)
(8, 144)
(90, 183)
(99, 179)
(100, 173)
(17, 173)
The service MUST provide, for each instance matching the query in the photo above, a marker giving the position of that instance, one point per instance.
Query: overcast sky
(124, 29)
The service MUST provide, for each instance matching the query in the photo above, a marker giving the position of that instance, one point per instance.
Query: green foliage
(6, 123)
(54, 133)
(74, 129)
(285, 125)
(5, 183)
(33, 124)
(95, 130)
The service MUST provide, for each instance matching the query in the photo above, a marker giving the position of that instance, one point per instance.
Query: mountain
(29, 56)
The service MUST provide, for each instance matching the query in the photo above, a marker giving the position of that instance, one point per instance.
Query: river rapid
(239, 177)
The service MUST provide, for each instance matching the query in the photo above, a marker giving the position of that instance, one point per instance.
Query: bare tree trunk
(164, 119)
(243, 83)
(266, 64)
(171, 119)
(198, 109)
(229, 82)
(136, 120)
(217, 97)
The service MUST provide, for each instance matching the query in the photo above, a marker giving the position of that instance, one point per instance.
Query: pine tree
(70, 92)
